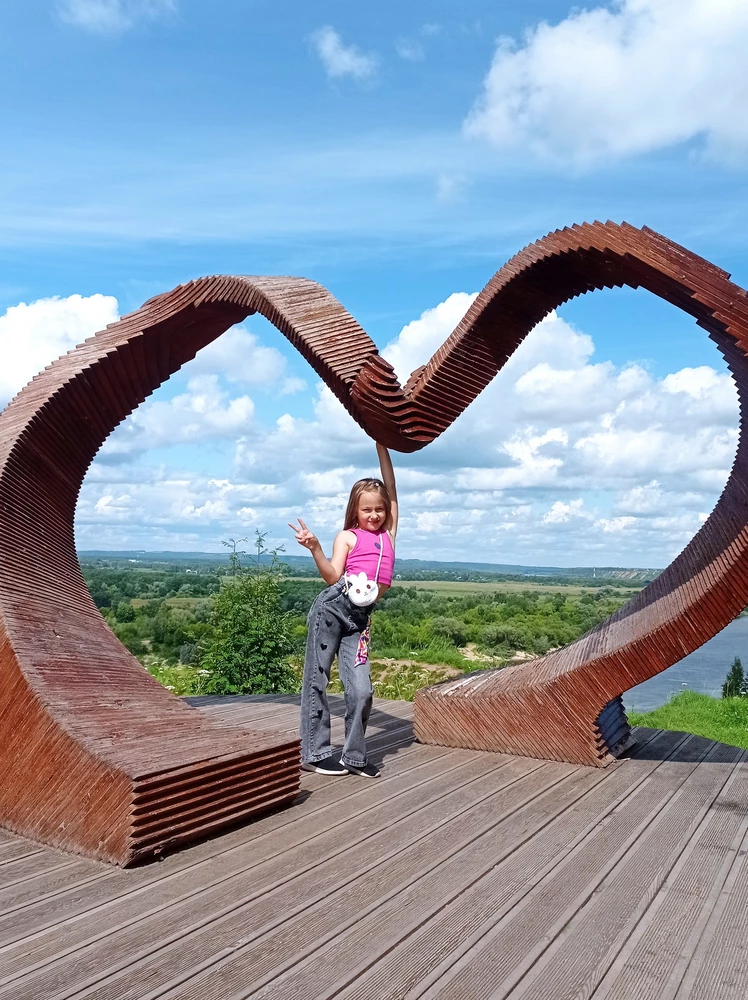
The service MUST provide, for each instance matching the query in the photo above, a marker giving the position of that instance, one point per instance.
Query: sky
(399, 154)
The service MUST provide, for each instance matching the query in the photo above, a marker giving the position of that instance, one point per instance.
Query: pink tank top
(364, 555)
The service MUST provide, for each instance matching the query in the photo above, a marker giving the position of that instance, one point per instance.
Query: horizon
(130, 553)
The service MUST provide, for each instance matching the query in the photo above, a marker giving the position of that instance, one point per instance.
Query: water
(703, 671)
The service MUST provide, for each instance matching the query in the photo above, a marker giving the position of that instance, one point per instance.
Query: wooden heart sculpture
(97, 757)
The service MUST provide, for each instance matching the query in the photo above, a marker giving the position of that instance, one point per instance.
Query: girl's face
(371, 511)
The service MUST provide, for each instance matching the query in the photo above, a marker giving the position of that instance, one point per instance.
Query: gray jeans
(335, 626)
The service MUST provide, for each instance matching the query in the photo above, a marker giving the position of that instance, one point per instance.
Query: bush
(249, 639)
(187, 653)
(735, 683)
(128, 635)
(125, 612)
(180, 680)
(449, 628)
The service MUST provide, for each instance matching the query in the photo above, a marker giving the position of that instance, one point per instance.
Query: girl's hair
(366, 486)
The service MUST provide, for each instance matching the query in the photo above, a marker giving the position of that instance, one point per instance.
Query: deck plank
(456, 874)
(495, 883)
(719, 968)
(250, 913)
(187, 904)
(653, 961)
(584, 949)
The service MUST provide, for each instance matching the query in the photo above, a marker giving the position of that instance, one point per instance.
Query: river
(705, 670)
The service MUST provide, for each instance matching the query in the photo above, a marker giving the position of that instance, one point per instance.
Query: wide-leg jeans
(335, 627)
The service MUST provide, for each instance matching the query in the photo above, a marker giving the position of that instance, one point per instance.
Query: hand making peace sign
(303, 535)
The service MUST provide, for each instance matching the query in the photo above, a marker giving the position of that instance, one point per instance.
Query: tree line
(245, 631)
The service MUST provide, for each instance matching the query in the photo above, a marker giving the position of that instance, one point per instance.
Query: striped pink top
(364, 555)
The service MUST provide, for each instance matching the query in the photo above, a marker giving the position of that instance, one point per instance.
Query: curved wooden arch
(567, 704)
(98, 758)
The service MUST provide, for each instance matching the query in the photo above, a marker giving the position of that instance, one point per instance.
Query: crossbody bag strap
(379, 561)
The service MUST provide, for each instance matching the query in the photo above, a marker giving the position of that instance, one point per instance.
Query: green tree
(735, 683)
(235, 556)
(249, 637)
(449, 628)
(125, 612)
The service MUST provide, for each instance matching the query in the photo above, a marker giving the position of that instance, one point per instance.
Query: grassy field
(459, 588)
(449, 588)
(172, 602)
(721, 719)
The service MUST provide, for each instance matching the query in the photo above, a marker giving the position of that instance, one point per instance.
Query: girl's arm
(329, 569)
(388, 478)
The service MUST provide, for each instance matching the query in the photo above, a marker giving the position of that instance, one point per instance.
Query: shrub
(735, 683)
(249, 639)
(125, 612)
(187, 653)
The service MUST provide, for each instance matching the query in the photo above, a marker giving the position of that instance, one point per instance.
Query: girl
(339, 626)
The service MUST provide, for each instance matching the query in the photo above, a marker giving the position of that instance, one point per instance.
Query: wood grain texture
(457, 874)
(100, 759)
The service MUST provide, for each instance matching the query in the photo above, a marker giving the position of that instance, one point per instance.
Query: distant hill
(407, 569)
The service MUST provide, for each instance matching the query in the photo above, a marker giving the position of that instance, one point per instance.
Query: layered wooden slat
(566, 705)
(98, 758)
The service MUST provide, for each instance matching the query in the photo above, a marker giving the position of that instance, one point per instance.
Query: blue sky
(399, 154)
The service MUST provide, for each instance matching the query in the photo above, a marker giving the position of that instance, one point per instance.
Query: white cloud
(35, 334)
(650, 455)
(617, 81)
(616, 523)
(409, 50)
(429, 520)
(332, 482)
(563, 459)
(422, 337)
(168, 510)
(239, 357)
(111, 17)
(562, 512)
(290, 386)
(340, 59)
(205, 412)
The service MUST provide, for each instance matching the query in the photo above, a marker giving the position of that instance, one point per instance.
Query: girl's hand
(304, 536)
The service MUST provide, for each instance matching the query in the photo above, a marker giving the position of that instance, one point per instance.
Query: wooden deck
(458, 874)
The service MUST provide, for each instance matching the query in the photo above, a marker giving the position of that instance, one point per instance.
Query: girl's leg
(353, 666)
(321, 646)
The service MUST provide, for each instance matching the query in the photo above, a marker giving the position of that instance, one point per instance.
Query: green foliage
(249, 639)
(408, 622)
(400, 682)
(188, 653)
(724, 720)
(235, 555)
(111, 587)
(735, 683)
(179, 679)
(453, 629)
(129, 635)
(252, 639)
(125, 612)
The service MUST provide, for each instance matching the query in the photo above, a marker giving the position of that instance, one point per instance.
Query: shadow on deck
(457, 874)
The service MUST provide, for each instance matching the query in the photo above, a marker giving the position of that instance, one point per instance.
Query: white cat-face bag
(360, 589)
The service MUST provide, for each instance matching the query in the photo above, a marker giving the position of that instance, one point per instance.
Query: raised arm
(388, 478)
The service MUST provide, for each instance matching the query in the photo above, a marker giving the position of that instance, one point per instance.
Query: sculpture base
(526, 721)
(123, 783)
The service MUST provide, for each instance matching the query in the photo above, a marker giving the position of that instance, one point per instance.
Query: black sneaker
(328, 765)
(365, 770)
